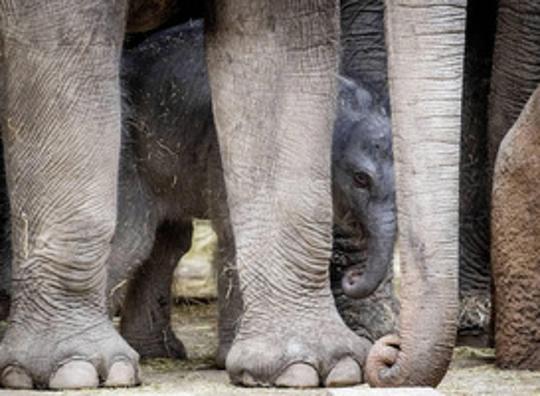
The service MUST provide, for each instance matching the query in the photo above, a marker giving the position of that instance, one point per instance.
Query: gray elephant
(364, 213)
(501, 72)
(515, 234)
(363, 191)
(352, 215)
(272, 74)
(500, 59)
(364, 56)
(62, 144)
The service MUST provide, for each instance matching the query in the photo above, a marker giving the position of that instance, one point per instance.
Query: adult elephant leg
(272, 68)
(516, 243)
(425, 45)
(474, 175)
(61, 144)
(515, 73)
(363, 50)
(516, 67)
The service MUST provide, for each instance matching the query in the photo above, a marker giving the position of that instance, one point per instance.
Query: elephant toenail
(345, 373)
(122, 374)
(298, 375)
(248, 380)
(75, 374)
(15, 377)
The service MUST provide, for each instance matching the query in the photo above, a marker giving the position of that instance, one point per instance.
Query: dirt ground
(472, 371)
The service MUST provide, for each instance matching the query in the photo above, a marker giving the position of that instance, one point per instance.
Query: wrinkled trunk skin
(474, 268)
(426, 44)
(516, 242)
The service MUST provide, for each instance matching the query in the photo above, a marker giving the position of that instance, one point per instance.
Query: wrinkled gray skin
(61, 133)
(362, 25)
(61, 136)
(363, 192)
(154, 72)
(425, 68)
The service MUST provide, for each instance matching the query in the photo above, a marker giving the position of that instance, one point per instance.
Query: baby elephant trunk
(362, 279)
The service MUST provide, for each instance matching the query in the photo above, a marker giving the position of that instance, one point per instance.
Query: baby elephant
(364, 213)
(171, 172)
(363, 189)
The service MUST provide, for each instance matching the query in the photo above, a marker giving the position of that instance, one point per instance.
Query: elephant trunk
(426, 46)
(359, 281)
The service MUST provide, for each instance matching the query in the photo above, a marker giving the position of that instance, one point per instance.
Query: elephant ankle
(158, 344)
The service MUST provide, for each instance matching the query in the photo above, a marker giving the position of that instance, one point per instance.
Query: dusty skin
(472, 371)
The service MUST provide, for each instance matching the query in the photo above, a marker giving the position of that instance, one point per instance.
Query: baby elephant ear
(353, 98)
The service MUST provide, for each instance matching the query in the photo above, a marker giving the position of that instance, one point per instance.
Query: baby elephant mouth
(354, 267)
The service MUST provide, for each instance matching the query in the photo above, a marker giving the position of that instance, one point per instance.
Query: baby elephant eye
(361, 180)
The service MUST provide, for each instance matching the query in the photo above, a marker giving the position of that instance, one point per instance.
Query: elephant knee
(82, 237)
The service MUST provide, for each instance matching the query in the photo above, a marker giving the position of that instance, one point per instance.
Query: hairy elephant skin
(61, 135)
(516, 242)
(515, 76)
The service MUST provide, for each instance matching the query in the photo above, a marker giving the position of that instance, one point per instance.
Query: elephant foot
(310, 355)
(68, 358)
(163, 344)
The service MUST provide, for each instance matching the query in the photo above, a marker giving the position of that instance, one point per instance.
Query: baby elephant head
(363, 189)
